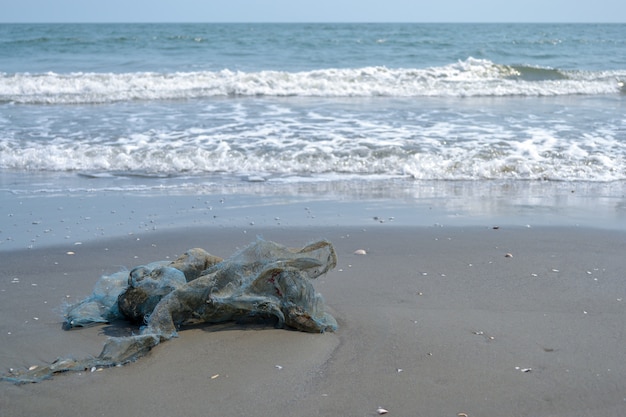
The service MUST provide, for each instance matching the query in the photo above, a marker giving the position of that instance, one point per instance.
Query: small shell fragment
(360, 252)
(508, 255)
(70, 253)
(32, 368)
(381, 411)
(215, 376)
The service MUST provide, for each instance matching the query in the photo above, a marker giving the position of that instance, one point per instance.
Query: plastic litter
(264, 281)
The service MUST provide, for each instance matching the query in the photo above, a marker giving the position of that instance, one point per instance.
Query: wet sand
(433, 321)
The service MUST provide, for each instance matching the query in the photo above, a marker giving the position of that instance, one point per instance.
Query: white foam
(560, 138)
(469, 78)
(539, 154)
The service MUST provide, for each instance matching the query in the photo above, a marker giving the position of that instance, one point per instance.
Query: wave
(468, 78)
(536, 74)
(598, 159)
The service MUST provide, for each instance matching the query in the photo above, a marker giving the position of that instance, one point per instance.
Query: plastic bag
(264, 281)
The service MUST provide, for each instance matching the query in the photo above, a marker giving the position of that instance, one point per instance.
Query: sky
(551, 11)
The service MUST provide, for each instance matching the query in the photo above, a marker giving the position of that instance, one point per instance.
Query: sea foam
(468, 78)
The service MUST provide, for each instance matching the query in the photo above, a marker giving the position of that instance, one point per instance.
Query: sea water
(349, 109)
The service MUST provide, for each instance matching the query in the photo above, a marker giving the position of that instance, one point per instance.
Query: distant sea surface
(184, 106)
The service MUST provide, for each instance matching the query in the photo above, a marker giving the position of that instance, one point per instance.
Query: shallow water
(480, 122)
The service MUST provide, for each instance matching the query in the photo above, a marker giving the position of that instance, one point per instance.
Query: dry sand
(434, 321)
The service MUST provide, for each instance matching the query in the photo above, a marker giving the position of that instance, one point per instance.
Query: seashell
(215, 376)
(70, 253)
(381, 411)
(32, 368)
(508, 255)
(360, 252)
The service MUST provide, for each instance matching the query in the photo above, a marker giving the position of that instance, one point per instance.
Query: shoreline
(432, 320)
(36, 219)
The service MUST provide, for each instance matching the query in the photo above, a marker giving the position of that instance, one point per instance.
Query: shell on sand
(360, 252)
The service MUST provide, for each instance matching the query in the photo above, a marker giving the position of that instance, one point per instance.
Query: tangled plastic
(265, 281)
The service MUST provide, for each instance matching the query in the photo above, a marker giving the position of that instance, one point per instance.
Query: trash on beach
(264, 281)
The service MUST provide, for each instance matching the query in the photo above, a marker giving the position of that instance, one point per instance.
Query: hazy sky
(312, 11)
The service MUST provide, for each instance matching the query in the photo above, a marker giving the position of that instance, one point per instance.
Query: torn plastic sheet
(264, 280)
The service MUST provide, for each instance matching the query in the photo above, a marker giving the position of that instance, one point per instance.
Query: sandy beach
(471, 177)
(488, 320)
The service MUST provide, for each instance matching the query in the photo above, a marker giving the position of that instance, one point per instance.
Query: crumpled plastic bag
(265, 281)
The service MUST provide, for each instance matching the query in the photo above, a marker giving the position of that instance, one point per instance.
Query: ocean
(349, 109)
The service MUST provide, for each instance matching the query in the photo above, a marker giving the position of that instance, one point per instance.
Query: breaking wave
(468, 78)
